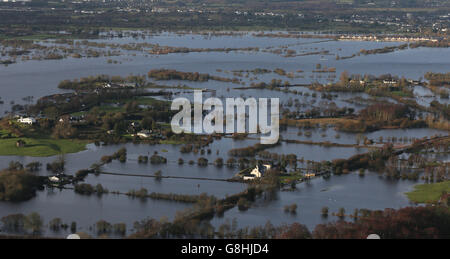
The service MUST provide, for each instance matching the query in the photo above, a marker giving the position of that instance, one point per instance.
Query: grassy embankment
(428, 193)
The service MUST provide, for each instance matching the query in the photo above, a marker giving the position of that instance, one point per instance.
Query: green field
(40, 147)
(428, 193)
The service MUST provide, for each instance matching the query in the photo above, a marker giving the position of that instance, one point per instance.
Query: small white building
(54, 179)
(144, 133)
(28, 120)
(257, 172)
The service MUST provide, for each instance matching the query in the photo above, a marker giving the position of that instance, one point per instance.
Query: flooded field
(348, 191)
(41, 78)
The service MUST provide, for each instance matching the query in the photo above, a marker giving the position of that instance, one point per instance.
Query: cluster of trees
(379, 115)
(405, 223)
(196, 143)
(435, 173)
(438, 79)
(397, 169)
(82, 174)
(141, 193)
(243, 204)
(120, 154)
(202, 161)
(30, 167)
(218, 162)
(143, 159)
(374, 160)
(441, 108)
(324, 211)
(157, 159)
(64, 130)
(274, 84)
(291, 208)
(250, 151)
(255, 71)
(56, 166)
(57, 224)
(242, 162)
(20, 223)
(443, 43)
(283, 159)
(325, 110)
(87, 189)
(19, 185)
(386, 49)
(170, 74)
(99, 81)
(386, 112)
(105, 228)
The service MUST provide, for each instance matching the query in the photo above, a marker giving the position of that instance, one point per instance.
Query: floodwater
(87, 210)
(346, 191)
(40, 78)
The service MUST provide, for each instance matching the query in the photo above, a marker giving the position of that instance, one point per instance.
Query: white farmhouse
(28, 120)
(257, 172)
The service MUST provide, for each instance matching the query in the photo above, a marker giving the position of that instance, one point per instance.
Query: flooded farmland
(39, 78)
